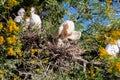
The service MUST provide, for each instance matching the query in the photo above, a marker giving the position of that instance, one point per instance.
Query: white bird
(118, 43)
(66, 29)
(67, 32)
(112, 49)
(35, 21)
(20, 16)
(74, 36)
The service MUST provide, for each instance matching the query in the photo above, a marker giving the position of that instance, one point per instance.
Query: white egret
(21, 13)
(35, 21)
(66, 29)
(112, 49)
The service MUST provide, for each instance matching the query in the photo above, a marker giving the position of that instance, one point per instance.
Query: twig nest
(112, 49)
(60, 43)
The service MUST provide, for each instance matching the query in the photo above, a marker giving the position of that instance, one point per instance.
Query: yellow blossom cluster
(19, 52)
(33, 51)
(103, 52)
(12, 40)
(1, 71)
(1, 26)
(11, 26)
(11, 3)
(33, 60)
(92, 74)
(45, 61)
(113, 41)
(108, 1)
(1, 40)
(118, 66)
(10, 51)
(114, 36)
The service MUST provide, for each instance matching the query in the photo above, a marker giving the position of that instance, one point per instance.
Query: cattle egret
(20, 16)
(66, 29)
(74, 36)
(118, 43)
(112, 49)
(35, 21)
(21, 12)
(67, 32)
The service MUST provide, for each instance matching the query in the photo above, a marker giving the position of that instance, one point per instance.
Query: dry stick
(3, 17)
(85, 62)
(48, 67)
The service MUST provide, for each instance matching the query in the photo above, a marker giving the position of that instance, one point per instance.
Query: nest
(31, 40)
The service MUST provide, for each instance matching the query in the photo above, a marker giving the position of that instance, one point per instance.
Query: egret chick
(21, 13)
(66, 29)
(112, 49)
(35, 21)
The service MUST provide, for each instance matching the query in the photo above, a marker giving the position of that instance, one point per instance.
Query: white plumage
(35, 21)
(66, 29)
(112, 49)
(118, 43)
(20, 16)
(67, 32)
(74, 36)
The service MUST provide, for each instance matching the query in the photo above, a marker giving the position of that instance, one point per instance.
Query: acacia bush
(27, 56)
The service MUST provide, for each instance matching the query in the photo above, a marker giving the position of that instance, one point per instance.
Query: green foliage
(24, 55)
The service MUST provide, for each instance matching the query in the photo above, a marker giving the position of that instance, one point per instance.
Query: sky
(106, 22)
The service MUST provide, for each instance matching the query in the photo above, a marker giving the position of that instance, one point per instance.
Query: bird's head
(21, 12)
(32, 10)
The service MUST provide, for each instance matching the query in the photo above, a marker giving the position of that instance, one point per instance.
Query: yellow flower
(112, 41)
(45, 61)
(33, 60)
(1, 40)
(9, 40)
(91, 72)
(118, 66)
(10, 52)
(1, 71)
(1, 25)
(108, 1)
(19, 52)
(12, 40)
(103, 52)
(11, 3)
(38, 70)
(11, 26)
(16, 28)
(10, 29)
(15, 78)
(33, 51)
